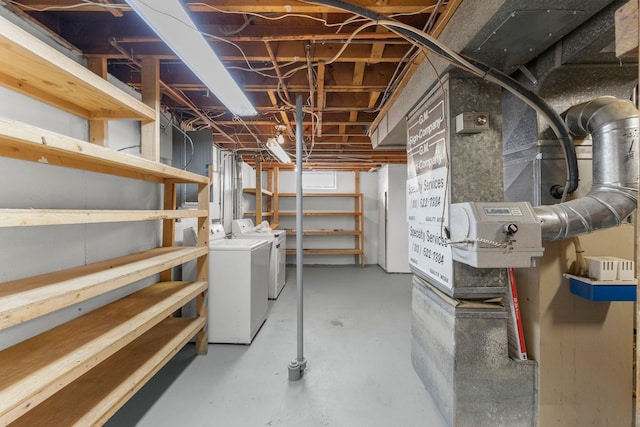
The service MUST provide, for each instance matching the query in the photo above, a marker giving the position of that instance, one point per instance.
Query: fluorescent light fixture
(174, 26)
(277, 151)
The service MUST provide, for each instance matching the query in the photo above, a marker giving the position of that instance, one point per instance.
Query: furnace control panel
(495, 234)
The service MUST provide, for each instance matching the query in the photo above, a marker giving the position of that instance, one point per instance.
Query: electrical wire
(128, 148)
(483, 71)
(247, 21)
(340, 25)
(331, 61)
(393, 82)
(82, 3)
(269, 68)
(186, 137)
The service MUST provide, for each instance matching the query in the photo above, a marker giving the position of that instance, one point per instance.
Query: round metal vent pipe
(613, 125)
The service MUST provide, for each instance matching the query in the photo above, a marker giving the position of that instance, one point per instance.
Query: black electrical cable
(490, 74)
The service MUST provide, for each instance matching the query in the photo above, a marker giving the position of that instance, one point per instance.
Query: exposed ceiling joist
(269, 47)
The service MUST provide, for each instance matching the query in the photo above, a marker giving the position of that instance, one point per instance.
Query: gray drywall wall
(28, 251)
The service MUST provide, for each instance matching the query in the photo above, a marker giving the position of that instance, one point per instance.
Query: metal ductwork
(613, 125)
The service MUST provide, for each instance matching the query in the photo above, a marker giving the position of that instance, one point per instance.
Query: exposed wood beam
(377, 49)
(283, 114)
(321, 95)
(373, 98)
(443, 19)
(343, 131)
(178, 97)
(264, 6)
(276, 68)
(150, 132)
(306, 123)
(287, 52)
(626, 19)
(115, 11)
(316, 37)
(98, 129)
(336, 109)
(271, 87)
(358, 73)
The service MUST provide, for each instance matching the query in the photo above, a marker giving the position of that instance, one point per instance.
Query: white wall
(28, 251)
(393, 250)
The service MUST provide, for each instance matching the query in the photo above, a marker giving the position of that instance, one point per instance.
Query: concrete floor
(357, 343)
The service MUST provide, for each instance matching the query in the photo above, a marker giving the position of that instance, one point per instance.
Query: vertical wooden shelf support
(276, 197)
(270, 187)
(358, 220)
(357, 212)
(168, 225)
(98, 129)
(258, 192)
(202, 267)
(150, 141)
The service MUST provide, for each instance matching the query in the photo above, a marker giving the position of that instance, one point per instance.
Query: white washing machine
(245, 229)
(238, 282)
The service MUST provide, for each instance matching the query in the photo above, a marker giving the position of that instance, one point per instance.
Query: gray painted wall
(30, 251)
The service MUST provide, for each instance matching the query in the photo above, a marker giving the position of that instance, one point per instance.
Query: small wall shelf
(595, 290)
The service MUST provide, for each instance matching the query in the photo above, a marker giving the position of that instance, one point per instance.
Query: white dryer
(245, 229)
(238, 282)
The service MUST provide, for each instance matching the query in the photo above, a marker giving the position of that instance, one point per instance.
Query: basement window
(319, 180)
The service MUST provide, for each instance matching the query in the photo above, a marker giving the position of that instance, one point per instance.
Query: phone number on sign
(436, 257)
(427, 202)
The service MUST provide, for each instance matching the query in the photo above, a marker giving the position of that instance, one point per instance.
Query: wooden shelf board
(25, 142)
(327, 251)
(251, 213)
(322, 195)
(319, 213)
(327, 232)
(253, 191)
(33, 217)
(99, 393)
(31, 67)
(31, 297)
(35, 369)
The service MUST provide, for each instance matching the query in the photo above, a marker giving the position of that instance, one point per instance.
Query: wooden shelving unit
(273, 197)
(264, 197)
(254, 192)
(358, 228)
(322, 213)
(32, 67)
(85, 369)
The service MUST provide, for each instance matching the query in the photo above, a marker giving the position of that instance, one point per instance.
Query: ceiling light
(280, 128)
(172, 23)
(277, 151)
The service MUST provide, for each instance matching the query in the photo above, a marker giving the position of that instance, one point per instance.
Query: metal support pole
(298, 365)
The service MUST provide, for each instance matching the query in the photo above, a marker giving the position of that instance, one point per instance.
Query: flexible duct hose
(613, 125)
